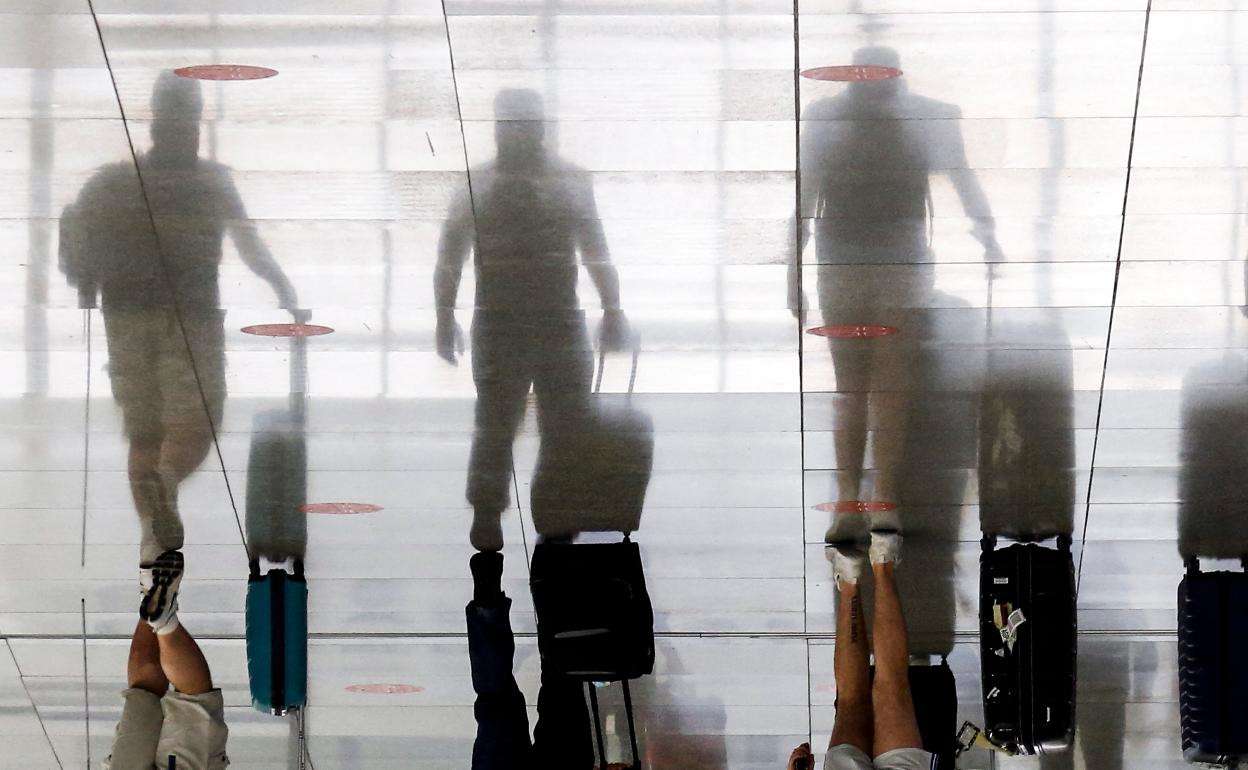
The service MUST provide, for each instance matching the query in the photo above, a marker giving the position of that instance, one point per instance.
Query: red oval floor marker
(340, 508)
(287, 330)
(385, 689)
(852, 73)
(853, 331)
(856, 506)
(225, 72)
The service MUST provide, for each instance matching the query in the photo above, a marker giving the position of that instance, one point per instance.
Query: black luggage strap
(277, 597)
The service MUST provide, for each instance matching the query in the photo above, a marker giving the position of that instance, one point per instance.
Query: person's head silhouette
(877, 56)
(177, 107)
(519, 129)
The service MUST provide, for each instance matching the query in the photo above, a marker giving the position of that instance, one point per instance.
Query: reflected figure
(533, 214)
(151, 255)
(562, 738)
(866, 163)
(161, 728)
(1213, 481)
(875, 725)
(159, 297)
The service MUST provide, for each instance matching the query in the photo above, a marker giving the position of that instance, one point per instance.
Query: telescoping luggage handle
(632, 725)
(635, 345)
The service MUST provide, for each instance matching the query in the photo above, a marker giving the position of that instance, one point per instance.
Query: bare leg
(153, 499)
(853, 672)
(144, 671)
(184, 663)
(896, 726)
(184, 452)
(889, 411)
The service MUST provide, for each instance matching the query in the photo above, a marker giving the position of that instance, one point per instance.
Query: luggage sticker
(1009, 634)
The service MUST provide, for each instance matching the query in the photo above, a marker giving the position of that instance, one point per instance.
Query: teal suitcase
(277, 638)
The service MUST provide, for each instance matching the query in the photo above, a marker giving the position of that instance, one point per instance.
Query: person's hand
(449, 338)
(614, 333)
(802, 758)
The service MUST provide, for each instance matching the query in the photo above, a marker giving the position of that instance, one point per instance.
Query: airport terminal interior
(346, 339)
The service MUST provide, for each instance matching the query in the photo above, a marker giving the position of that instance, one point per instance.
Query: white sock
(170, 625)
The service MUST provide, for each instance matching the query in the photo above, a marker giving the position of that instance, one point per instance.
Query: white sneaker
(158, 584)
(885, 547)
(847, 561)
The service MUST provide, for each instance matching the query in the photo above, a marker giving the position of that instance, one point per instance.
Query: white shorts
(189, 727)
(847, 757)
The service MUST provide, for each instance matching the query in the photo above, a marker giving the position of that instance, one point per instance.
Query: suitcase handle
(602, 365)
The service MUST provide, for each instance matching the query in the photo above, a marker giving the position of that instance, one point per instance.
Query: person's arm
(254, 253)
(812, 162)
(454, 246)
(970, 193)
(591, 241)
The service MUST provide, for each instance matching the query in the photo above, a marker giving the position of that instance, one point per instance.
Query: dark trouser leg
(502, 379)
(562, 738)
(502, 741)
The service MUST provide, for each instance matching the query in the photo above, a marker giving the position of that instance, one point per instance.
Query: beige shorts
(847, 757)
(189, 727)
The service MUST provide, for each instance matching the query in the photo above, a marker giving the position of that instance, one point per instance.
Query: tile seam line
(151, 217)
(1113, 303)
(34, 706)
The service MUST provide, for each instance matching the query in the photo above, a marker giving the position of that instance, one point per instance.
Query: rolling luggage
(277, 638)
(1213, 674)
(595, 622)
(592, 475)
(277, 472)
(276, 527)
(1027, 645)
(935, 694)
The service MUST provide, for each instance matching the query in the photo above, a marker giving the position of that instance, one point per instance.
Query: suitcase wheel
(988, 543)
(1192, 565)
(1064, 542)
(254, 567)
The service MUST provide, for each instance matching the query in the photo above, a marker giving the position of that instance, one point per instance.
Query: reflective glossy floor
(865, 249)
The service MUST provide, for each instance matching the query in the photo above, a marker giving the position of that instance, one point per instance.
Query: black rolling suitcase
(592, 475)
(276, 527)
(1027, 645)
(935, 694)
(595, 622)
(1213, 672)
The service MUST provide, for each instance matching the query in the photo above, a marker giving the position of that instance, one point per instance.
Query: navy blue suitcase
(1213, 674)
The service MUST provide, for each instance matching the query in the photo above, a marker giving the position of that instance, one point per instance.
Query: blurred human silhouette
(875, 725)
(152, 255)
(161, 728)
(528, 215)
(867, 156)
(149, 247)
